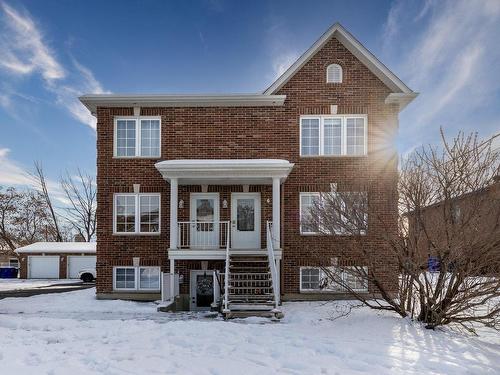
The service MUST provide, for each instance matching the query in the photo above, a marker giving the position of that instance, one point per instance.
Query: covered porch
(224, 209)
(215, 221)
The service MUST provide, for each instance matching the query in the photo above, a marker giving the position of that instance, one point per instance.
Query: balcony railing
(203, 234)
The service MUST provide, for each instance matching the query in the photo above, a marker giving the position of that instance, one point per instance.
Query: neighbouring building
(467, 224)
(55, 260)
(192, 184)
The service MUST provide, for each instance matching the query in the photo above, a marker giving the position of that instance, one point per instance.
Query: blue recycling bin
(8, 272)
(433, 264)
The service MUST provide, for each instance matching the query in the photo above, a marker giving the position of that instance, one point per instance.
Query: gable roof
(404, 93)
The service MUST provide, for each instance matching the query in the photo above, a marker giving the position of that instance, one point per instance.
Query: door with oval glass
(204, 220)
(245, 220)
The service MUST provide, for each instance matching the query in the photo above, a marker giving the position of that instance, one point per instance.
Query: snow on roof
(58, 247)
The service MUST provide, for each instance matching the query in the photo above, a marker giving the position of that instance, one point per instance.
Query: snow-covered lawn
(72, 333)
(17, 284)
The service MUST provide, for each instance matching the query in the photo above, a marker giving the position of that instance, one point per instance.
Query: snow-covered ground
(72, 333)
(17, 284)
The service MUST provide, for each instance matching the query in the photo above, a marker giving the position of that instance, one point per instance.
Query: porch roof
(224, 171)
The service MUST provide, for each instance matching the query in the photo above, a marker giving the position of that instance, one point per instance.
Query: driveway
(28, 288)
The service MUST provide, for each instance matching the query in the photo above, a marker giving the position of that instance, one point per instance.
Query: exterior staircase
(250, 286)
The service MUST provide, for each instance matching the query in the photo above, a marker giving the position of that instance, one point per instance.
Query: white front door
(245, 220)
(204, 227)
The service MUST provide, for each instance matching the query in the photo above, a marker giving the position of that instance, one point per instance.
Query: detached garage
(56, 260)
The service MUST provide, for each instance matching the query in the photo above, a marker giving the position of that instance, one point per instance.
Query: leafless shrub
(449, 210)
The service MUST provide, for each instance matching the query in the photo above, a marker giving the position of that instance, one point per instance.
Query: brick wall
(260, 132)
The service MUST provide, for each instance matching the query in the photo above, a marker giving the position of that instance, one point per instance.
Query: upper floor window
(137, 213)
(137, 137)
(333, 135)
(334, 73)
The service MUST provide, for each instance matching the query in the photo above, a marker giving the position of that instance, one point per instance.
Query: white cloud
(281, 62)
(12, 173)
(24, 52)
(453, 60)
(22, 48)
(15, 174)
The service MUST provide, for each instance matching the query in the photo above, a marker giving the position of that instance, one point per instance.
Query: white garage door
(43, 267)
(78, 263)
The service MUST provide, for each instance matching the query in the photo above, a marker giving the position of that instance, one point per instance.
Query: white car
(87, 275)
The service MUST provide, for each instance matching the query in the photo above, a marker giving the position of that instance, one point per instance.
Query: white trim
(224, 171)
(92, 101)
(213, 254)
(356, 48)
(343, 118)
(137, 219)
(138, 136)
(137, 282)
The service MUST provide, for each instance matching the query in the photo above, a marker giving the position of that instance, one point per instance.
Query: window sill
(137, 157)
(151, 291)
(155, 234)
(333, 156)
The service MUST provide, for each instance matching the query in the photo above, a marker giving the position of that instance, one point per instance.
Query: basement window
(136, 278)
(315, 279)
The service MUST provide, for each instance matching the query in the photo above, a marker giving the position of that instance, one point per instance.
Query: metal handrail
(272, 262)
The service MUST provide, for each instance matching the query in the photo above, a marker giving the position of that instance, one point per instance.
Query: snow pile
(18, 284)
(72, 333)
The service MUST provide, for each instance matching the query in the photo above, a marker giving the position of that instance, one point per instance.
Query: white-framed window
(136, 278)
(137, 137)
(136, 213)
(334, 73)
(315, 279)
(351, 213)
(333, 135)
(307, 224)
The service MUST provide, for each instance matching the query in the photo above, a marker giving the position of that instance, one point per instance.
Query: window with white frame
(348, 212)
(315, 279)
(136, 278)
(137, 137)
(137, 213)
(339, 135)
(308, 224)
(334, 73)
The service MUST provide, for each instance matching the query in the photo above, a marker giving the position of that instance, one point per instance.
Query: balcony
(206, 235)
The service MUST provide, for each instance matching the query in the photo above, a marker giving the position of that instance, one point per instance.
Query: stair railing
(226, 273)
(272, 262)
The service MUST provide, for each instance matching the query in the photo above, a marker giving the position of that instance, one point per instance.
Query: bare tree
(449, 210)
(82, 194)
(42, 185)
(24, 218)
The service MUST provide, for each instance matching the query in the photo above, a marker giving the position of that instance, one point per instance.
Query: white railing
(226, 274)
(272, 263)
(203, 234)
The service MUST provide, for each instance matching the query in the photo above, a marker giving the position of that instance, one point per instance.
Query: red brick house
(192, 184)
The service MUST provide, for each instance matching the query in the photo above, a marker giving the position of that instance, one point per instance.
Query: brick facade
(259, 132)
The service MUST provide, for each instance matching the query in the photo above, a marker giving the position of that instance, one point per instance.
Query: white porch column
(276, 212)
(173, 212)
(172, 278)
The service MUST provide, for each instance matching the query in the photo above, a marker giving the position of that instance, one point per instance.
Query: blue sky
(52, 51)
